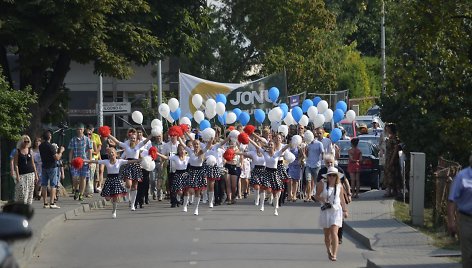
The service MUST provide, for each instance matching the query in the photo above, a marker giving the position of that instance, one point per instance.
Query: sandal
(333, 258)
(330, 255)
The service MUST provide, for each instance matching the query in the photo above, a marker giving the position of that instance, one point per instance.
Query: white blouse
(195, 160)
(271, 161)
(257, 160)
(131, 153)
(177, 163)
(278, 149)
(113, 168)
(217, 152)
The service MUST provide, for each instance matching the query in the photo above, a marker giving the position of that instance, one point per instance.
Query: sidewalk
(45, 220)
(393, 243)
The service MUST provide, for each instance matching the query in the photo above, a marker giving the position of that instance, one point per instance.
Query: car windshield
(365, 147)
(348, 128)
(375, 140)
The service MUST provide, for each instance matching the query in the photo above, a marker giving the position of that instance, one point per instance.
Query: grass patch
(438, 234)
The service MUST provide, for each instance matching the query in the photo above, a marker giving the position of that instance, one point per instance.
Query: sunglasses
(26, 141)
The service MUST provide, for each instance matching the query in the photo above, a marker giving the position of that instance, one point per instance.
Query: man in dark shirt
(49, 156)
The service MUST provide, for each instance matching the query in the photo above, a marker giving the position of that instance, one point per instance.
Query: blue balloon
(335, 135)
(338, 115)
(204, 124)
(297, 113)
(341, 105)
(244, 118)
(176, 115)
(306, 105)
(222, 118)
(237, 111)
(189, 116)
(220, 98)
(284, 108)
(274, 94)
(316, 100)
(259, 115)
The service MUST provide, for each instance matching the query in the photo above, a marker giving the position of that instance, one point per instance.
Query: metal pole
(113, 85)
(159, 86)
(382, 47)
(100, 101)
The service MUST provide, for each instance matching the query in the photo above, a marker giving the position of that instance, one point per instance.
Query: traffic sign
(116, 107)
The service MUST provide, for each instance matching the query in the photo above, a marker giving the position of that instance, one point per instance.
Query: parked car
(367, 119)
(374, 110)
(370, 167)
(374, 139)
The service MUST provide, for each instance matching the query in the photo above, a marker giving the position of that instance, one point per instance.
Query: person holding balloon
(214, 172)
(234, 170)
(131, 173)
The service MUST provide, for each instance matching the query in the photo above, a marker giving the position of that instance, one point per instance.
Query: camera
(63, 126)
(326, 206)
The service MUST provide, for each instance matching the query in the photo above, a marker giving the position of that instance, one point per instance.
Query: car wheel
(375, 181)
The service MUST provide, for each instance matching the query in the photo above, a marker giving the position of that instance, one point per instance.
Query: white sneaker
(133, 208)
(276, 213)
(54, 206)
(256, 203)
(184, 209)
(196, 212)
(211, 204)
(113, 215)
(204, 201)
(262, 208)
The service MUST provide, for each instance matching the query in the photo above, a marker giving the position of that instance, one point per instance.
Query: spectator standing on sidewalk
(97, 148)
(329, 192)
(49, 156)
(38, 164)
(314, 155)
(25, 170)
(354, 166)
(460, 196)
(392, 177)
(80, 146)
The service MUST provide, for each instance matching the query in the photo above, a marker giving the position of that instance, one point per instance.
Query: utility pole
(382, 47)
(159, 86)
(100, 101)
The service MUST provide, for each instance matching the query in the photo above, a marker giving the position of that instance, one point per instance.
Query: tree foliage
(14, 113)
(48, 35)
(429, 93)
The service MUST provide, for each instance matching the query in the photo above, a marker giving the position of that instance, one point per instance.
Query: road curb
(365, 241)
(32, 244)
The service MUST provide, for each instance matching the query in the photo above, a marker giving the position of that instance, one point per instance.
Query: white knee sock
(204, 196)
(196, 207)
(211, 197)
(132, 195)
(192, 198)
(261, 199)
(114, 207)
(271, 198)
(185, 202)
(256, 196)
(276, 199)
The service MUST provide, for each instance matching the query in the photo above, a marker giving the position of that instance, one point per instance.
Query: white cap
(375, 120)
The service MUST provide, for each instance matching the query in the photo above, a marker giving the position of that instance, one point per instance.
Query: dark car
(370, 168)
(374, 139)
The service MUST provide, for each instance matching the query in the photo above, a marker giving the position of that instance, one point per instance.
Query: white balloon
(312, 112)
(304, 121)
(275, 115)
(289, 119)
(211, 160)
(350, 116)
(170, 119)
(328, 114)
(210, 113)
(319, 120)
(308, 136)
(283, 129)
(173, 104)
(156, 131)
(137, 117)
(164, 110)
(220, 108)
(192, 135)
(322, 106)
(274, 125)
(289, 156)
(210, 104)
(185, 120)
(156, 122)
(198, 116)
(234, 134)
(197, 100)
(296, 140)
(208, 134)
(230, 118)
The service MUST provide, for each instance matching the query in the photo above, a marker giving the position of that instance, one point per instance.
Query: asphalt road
(225, 236)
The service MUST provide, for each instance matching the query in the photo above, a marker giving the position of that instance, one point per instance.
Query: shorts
(83, 172)
(49, 176)
(233, 170)
(311, 173)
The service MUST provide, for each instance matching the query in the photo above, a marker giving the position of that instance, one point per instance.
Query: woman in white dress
(333, 209)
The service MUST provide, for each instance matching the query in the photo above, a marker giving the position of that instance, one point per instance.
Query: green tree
(429, 94)
(48, 35)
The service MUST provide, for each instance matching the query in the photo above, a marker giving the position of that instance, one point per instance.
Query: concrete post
(417, 182)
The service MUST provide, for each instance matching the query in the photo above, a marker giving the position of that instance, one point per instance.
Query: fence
(445, 172)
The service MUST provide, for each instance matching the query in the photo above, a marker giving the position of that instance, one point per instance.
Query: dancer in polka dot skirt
(113, 189)
(271, 179)
(214, 172)
(179, 162)
(196, 181)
